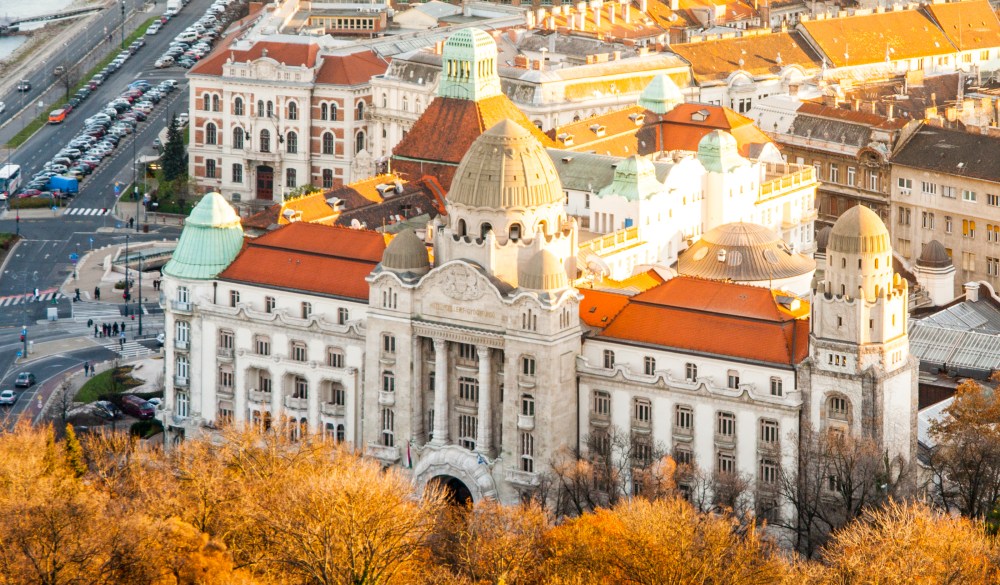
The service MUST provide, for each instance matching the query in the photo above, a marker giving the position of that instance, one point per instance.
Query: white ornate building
(476, 367)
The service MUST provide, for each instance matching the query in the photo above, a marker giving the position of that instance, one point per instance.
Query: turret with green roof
(211, 239)
(661, 95)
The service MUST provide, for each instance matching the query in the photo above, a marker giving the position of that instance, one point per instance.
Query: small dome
(822, 238)
(719, 152)
(506, 168)
(743, 252)
(635, 179)
(859, 230)
(406, 253)
(934, 255)
(661, 95)
(543, 272)
(211, 239)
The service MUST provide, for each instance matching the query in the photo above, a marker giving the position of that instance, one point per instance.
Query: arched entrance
(455, 490)
(265, 182)
(462, 471)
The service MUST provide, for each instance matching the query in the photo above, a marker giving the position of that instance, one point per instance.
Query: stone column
(440, 392)
(312, 406)
(417, 392)
(484, 425)
(239, 396)
(276, 406)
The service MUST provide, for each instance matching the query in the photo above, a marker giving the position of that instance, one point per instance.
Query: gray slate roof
(964, 337)
(952, 152)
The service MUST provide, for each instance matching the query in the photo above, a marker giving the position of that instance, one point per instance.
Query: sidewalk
(149, 370)
(93, 271)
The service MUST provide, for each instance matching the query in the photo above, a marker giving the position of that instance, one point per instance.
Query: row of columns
(484, 416)
(240, 397)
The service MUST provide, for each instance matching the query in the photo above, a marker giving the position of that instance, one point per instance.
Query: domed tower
(406, 255)
(936, 272)
(505, 204)
(860, 377)
(661, 95)
(469, 66)
(727, 170)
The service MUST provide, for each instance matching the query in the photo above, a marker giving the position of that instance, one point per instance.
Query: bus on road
(10, 179)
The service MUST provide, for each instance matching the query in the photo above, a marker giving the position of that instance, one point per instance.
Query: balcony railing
(181, 381)
(787, 183)
(525, 422)
(331, 409)
(224, 391)
(293, 403)
(386, 398)
(181, 344)
(225, 353)
(181, 306)
(522, 478)
(258, 397)
(383, 453)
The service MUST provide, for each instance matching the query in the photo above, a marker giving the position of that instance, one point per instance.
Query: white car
(182, 118)
(8, 398)
(3, 107)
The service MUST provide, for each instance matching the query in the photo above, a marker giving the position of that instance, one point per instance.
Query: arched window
(291, 180)
(515, 232)
(333, 111)
(406, 104)
(216, 105)
(460, 228)
(292, 143)
(265, 141)
(206, 102)
(237, 137)
(327, 147)
(293, 111)
(323, 115)
(270, 109)
(238, 106)
(418, 104)
(359, 142)
(210, 133)
(543, 227)
(359, 113)
(485, 229)
(385, 101)
(838, 407)
(260, 108)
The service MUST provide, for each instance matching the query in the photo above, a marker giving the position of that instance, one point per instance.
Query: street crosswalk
(128, 349)
(86, 211)
(43, 296)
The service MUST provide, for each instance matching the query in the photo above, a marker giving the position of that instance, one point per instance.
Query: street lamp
(123, 24)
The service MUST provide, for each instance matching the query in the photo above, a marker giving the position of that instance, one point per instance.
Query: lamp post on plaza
(123, 24)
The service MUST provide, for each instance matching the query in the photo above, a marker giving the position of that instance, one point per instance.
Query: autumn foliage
(261, 509)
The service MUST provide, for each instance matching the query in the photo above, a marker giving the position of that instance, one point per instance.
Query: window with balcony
(468, 389)
(602, 403)
(234, 298)
(642, 411)
(388, 381)
(776, 387)
(683, 419)
(336, 395)
(768, 432)
(725, 425)
(467, 424)
(690, 372)
(299, 352)
(527, 452)
(300, 388)
(226, 339)
(183, 294)
(334, 357)
(264, 381)
(262, 345)
(609, 359)
(269, 304)
(528, 366)
(527, 405)
(649, 365)
(388, 436)
(388, 344)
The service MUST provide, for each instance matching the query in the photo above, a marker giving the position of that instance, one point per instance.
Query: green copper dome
(210, 241)
(469, 66)
(635, 179)
(661, 95)
(719, 153)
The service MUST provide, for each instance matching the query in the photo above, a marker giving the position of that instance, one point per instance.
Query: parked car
(25, 380)
(106, 410)
(8, 398)
(137, 407)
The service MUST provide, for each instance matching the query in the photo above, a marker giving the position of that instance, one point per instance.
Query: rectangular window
(291, 178)
(388, 382)
(690, 372)
(947, 191)
(683, 418)
(226, 378)
(927, 220)
(467, 425)
(992, 266)
(733, 380)
(834, 173)
(904, 216)
(776, 387)
(269, 304)
(262, 345)
(649, 365)
(768, 473)
(768, 432)
(466, 351)
(234, 298)
(299, 351)
(642, 410)
(527, 453)
(468, 389)
(602, 403)
(226, 338)
(609, 359)
(342, 316)
(725, 462)
(334, 357)
(210, 168)
(237, 173)
(851, 173)
(992, 200)
(968, 195)
(968, 261)
(682, 455)
(264, 382)
(528, 366)
(527, 405)
(905, 186)
(307, 310)
(928, 188)
(947, 224)
(388, 438)
(388, 343)
(725, 424)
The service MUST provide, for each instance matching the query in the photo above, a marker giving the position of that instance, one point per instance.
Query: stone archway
(454, 462)
(455, 489)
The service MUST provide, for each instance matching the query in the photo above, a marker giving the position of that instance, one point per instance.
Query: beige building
(946, 187)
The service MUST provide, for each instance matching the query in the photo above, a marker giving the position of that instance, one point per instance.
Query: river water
(14, 9)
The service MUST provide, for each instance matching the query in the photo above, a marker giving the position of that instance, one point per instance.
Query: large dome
(506, 168)
(211, 239)
(743, 252)
(859, 230)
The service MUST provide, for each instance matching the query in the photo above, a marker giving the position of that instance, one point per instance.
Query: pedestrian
(114, 329)
(86, 369)
(97, 293)
(122, 329)
(95, 329)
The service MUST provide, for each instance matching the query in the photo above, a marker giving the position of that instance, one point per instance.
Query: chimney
(793, 89)
(611, 13)
(675, 5)
(616, 56)
(971, 291)
(529, 19)
(626, 16)
(642, 6)
(857, 105)
(538, 65)
(551, 23)
(439, 47)
(597, 17)
(891, 109)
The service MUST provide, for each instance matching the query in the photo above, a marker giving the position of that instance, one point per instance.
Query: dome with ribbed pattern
(406, 253)
(211, 239)
(543, 272)
(859, 230)
(506, 168)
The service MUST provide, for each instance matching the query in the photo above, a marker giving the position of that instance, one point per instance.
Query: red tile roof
(681, 128)
(715, 318)
(865, 39)
(294, 54)
(308, 257)
(598, 308)
(446, 129)
(852, 116)
(353, 69)
(969, 25)
(716, 60)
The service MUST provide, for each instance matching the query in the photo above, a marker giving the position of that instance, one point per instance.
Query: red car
(29, 193)
(137, 407)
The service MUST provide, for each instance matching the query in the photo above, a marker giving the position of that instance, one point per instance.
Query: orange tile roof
(715, 318)
(969, 25)
(310, 257)
(263, 219)
(619, 137)
(311, 208)
(598, 308)
(853, 116)
(294, 54)
(680, 128)
(863, 40)
(354, 69)
(446, 129)
(718, 59)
